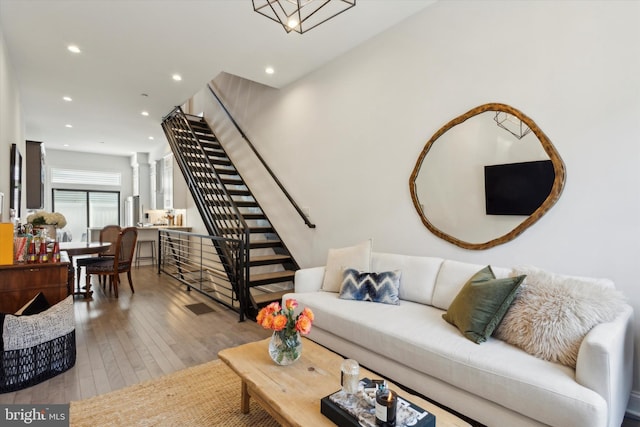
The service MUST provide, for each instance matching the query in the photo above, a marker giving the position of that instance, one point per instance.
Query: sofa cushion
(452, 277)
(481, 304)
(357, 257)
(551, 314)
(418, 274)
(376, 287)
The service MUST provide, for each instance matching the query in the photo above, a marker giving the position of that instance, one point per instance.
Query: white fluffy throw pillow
(552, 313)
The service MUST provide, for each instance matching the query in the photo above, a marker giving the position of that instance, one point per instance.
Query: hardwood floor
(133, 338)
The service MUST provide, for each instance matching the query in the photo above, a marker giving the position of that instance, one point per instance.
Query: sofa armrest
(309, 279)
(605, 363)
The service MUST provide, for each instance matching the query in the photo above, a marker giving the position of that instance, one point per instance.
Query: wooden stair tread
(253, 230)
(254, 216)
(268, 259)
(232, 181)
(251, 216)
(273, 277)
(266, 298)
(198, 161)
(264, 244)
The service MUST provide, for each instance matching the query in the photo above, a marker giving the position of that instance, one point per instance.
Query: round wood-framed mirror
(485, 177)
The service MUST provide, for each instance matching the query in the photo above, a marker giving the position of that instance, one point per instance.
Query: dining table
(74, 249)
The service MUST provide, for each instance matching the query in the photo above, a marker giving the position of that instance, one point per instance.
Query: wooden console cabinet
(20, 282)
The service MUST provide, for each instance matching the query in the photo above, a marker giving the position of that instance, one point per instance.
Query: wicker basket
(29, 366)
(38, 346)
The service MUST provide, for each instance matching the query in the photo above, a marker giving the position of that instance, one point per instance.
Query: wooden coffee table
(291, 394)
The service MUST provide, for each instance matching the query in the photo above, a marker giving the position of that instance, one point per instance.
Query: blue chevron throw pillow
(377, 287)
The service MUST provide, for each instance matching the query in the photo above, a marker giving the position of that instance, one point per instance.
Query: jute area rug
(203, 395)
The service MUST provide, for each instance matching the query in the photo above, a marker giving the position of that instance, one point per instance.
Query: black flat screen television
(517, 188)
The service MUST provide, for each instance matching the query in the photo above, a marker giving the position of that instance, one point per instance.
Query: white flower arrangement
(47, 218)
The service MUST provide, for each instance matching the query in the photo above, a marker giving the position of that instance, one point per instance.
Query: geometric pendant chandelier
(301, 15)
(511, 124)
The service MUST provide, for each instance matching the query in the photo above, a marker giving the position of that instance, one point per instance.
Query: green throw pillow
(481, 304)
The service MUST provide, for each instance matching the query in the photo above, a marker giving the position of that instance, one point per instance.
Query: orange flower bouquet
(285, 346)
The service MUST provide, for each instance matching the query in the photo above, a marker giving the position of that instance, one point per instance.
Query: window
(93, 178)
(84, 209)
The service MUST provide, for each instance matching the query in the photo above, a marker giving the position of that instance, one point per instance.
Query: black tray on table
(358, 412)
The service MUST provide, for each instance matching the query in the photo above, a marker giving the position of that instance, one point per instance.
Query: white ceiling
(134, 47)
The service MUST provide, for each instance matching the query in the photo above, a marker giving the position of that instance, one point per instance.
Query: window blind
(94, 178)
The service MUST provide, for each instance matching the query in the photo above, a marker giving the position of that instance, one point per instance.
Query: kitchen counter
(94, 232)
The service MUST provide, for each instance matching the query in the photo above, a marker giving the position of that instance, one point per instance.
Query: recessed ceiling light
(145, 113)
(269, 70)
(151, 138)
(177, 77)
(65, 145)
(73, 48)
(68, 126)
(67, 98)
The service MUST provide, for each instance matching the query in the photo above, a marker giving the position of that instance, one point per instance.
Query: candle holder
(350, 380)
(386, 404)
(349, 376)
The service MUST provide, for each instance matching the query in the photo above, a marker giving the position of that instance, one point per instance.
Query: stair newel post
(160, 258)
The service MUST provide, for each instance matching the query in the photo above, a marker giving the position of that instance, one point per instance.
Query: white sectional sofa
(494, 383)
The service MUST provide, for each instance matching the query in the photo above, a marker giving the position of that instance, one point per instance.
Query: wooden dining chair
(108, 234)
(120, 263)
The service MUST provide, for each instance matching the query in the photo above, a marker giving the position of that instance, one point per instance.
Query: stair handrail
(264, 163)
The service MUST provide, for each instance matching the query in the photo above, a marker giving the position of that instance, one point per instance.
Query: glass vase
(285, 348)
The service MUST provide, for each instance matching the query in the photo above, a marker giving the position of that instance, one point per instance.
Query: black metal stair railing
(230, 212)
(192, 259)
(219, 212)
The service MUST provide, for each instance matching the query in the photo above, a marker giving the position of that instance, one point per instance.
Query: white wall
(11, 126)
(345, 139)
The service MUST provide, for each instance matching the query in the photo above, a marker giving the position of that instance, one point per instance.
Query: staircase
(229, 210)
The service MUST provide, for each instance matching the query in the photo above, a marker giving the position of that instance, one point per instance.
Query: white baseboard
(633, 408)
